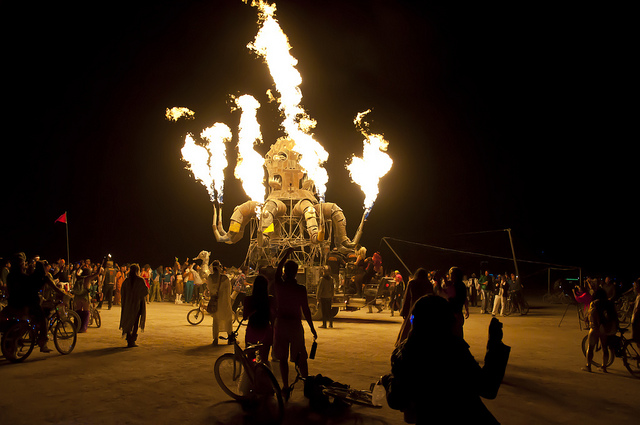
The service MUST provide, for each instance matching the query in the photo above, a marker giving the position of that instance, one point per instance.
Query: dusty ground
(169, 378)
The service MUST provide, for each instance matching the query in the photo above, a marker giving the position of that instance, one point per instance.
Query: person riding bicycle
(24, 293)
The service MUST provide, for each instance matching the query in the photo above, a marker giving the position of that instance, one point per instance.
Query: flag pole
(66, 225)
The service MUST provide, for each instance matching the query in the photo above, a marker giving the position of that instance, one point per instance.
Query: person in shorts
(291, 299)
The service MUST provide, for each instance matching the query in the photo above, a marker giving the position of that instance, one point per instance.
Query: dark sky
(497, 117)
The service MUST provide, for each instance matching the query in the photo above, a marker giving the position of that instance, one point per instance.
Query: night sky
(497, 116)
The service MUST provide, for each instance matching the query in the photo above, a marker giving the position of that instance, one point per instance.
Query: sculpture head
(284, 169)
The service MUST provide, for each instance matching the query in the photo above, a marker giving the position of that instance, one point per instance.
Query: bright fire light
(208, 162)
(272, 44)
(217, 136)
(178, 112)
(250, 167)
(374, 164)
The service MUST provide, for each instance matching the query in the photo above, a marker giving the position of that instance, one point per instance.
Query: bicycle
(94, 316)
(20, 333)
(619, 346)
(196, 316)
(18, 337)
(624, 308)
(323, 392)
(62, 329)
(246, 378)
(512, 305)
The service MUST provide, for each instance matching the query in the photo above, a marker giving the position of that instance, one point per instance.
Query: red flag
(62, 218)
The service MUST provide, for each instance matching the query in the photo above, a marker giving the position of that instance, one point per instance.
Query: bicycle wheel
(195, 316)
(597, 353)
(631, 358)
(524, 308)
(548, 298)
(266, 390)
(361, 397)
(65, 336)
(508, 307)
(97, 320)
(230, 375)
(17, 342)
(75, 319)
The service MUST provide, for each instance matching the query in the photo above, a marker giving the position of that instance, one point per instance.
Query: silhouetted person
(458, 299)
(288, 336)
(417, 287)
(260, 308)
(134, 309)
(603, 322)
(324, 293)
(434, 378)
(24, 291)
(635, 317)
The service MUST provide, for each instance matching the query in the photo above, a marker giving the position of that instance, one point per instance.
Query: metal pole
(397, 256)
(513, 253)
(66, 225)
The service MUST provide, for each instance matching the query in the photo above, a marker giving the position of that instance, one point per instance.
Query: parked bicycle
(246, 378)
(624, 308)
(512, 305)
(196, 316)
(94, 316)
(619, 346)
(323, 391)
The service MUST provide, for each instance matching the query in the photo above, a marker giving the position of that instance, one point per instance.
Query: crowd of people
(433, 306)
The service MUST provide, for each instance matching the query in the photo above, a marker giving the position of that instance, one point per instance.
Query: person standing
(178, 282)
(326, 289)
(134, 310)
(155, 294)
(417, 287)
(500, 297)
(82, 296)
(220, 290)
(120, 277)
(458, 300)
(395, 303)
(473, 292)
(198, 283)
(485, 287)
(288, 334)
(188, 278)
(146, 276)
(260, 308)
(516, 287)
(108, 284)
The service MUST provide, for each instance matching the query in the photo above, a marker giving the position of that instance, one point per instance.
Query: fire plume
(374, 164)
(272, 44)
(250, 166)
